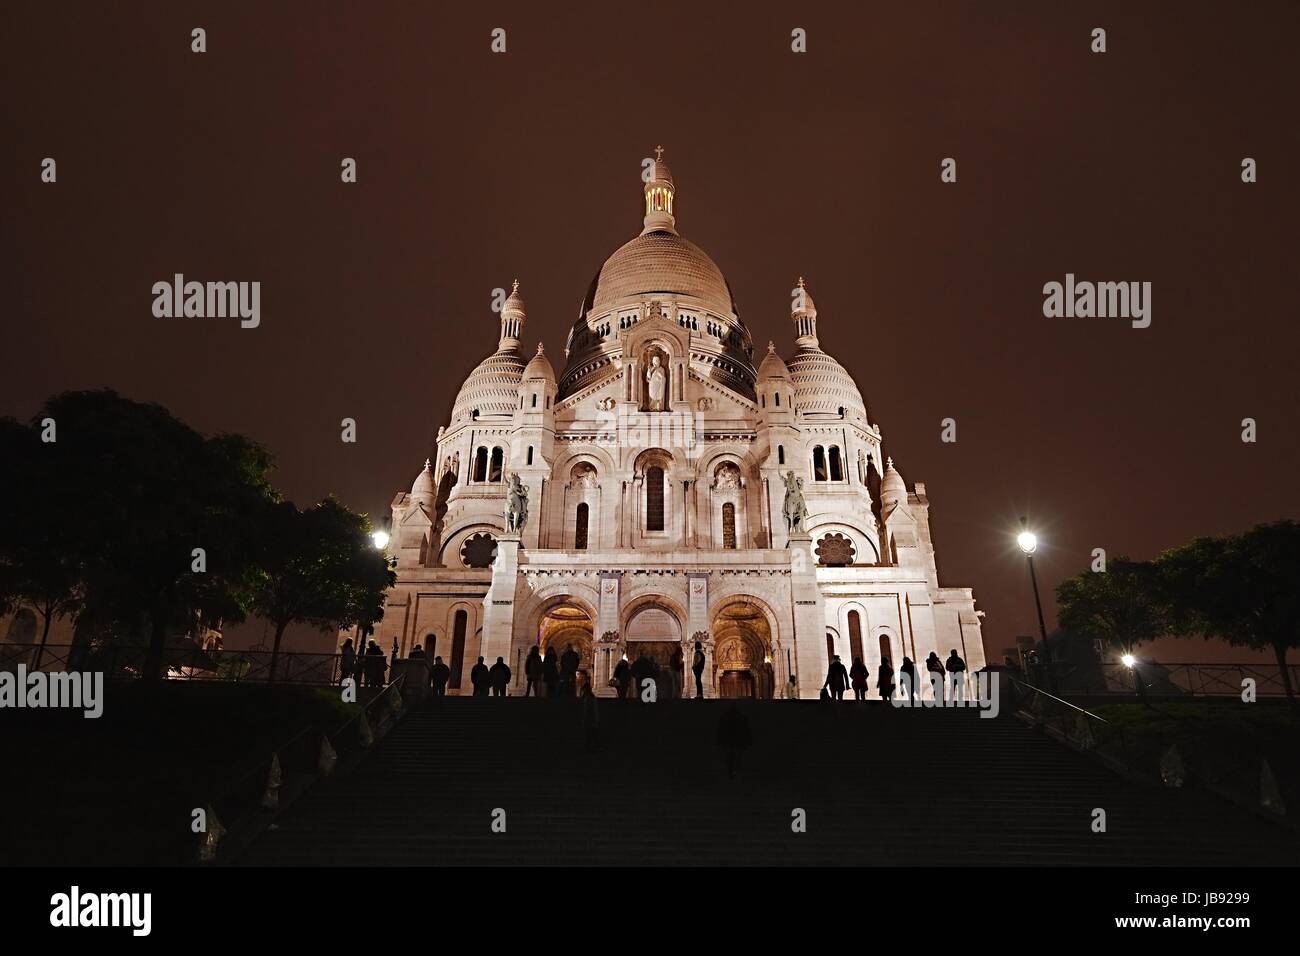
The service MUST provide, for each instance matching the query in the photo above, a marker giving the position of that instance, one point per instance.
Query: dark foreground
(878, 787)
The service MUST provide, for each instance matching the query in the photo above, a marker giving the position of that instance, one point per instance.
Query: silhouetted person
(533, 672)
(956, 667)
(551, 672)
(860, 677)
(440, 674)
(347, 660)
(907, 678)
(837, 679)
(733, 736)
(590, 718)
(480, 679)
(568, 671)
(376, 664)
(622, 678)
(885, 679)
(697, 668)
(417, 652)
(792, 688)
(643, 669)
(934, 669)
(499, 677)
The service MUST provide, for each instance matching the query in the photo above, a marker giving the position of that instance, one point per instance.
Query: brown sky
(475, 168)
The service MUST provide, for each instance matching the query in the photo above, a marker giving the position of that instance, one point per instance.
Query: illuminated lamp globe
(1028, 542)
(380, 538)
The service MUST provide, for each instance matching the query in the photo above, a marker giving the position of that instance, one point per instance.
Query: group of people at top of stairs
(366, 669)
(939, 673)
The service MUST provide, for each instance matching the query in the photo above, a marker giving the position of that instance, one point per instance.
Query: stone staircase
(879, 787)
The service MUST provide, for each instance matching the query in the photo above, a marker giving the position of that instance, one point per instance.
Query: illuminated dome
(659, 263)
(821, 384)
(492, 388)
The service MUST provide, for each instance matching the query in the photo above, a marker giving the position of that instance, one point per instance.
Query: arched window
(729, 525)
(837, 466)
(498, 457)
(654, 499)
(777, 396)
(855, 635)
(762, 401)
(530, 454)
(480, 464)
(430, 647)
(780, 454)
(580, 528)
(819, 464)
(534, 399)
(457, 649)
(885, 652)
(893, 549)
(830, 647)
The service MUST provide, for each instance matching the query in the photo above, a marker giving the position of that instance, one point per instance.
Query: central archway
(567, 625)
(742, 650)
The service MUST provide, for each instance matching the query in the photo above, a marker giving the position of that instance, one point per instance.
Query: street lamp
(380, 538)
(1028, 542)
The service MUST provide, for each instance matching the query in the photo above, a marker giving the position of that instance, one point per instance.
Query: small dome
(662, 173)
(515, 301)
(424, 486)
(773, 366)
(821, 384)
(492, 388)
(892, 487)
(539, 367)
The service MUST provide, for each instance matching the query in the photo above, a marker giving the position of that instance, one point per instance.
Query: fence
(125, 662)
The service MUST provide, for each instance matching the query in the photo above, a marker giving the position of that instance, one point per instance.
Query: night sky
(475, 168)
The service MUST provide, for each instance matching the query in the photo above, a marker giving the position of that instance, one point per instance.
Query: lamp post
(1028, 542)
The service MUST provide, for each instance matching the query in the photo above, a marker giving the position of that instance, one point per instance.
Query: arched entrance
(567, 625)
(653, 631)
(742, 648)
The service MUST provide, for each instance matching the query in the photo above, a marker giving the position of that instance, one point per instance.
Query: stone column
(809, 617)
(607, 622)
(499, 603)
(697, 583)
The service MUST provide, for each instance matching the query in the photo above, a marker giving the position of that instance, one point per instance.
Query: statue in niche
(516, 505)
(656, 382)
(796, 512)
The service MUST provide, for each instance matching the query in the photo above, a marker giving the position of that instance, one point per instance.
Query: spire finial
(659, 153)
(771, 348)
(801, 285)
(515, 286)
(427, 464)
(889, 462)
(541, 349)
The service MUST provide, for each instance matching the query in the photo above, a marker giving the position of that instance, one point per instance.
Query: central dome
(659, 263)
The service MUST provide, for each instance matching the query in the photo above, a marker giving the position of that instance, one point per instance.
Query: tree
(39, 563)
(317, 567)
(1242, 589)
(1122, 606)
(166, 518)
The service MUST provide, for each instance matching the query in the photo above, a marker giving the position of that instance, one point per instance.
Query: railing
(1080, 727)
(125, 662)
(1198, 680)
(302, 757)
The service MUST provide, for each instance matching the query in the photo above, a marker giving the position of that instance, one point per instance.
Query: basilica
(668, 487)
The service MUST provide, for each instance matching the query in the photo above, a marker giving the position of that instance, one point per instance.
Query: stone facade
(656, 469)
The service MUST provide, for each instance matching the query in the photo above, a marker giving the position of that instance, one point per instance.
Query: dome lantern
(512, 318)
(659, 193)
(804, 314)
